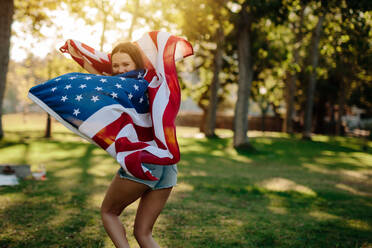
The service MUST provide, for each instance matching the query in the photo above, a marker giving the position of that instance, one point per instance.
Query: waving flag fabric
(131, 115)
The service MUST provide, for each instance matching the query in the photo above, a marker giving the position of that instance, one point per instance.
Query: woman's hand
(72, 50)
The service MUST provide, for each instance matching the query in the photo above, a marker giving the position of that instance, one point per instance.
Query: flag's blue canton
(76, 96)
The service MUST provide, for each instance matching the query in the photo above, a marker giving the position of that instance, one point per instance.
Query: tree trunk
(134, 20)
(314, 56)
(320, 113)
(332, 121)
(103, 31)
(263, 121)
(48, 127)
(210, 122)
(202, 121)
(244, 88)
(341, 107)
(290, 95)
(292, 79)
(6, 19)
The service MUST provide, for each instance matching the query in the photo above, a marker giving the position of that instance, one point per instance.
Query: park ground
(288, 193)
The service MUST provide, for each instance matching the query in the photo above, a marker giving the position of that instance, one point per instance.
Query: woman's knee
(141, 232)
(110, 210)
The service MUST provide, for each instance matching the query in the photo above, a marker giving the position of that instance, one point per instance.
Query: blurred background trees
(306, 63)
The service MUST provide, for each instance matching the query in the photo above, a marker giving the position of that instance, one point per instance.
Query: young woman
(79, 101)
(125, 189)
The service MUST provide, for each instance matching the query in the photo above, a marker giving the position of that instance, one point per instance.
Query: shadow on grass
(222, 203)
(46, 214)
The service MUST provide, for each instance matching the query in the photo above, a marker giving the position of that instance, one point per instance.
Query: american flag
(131, 115)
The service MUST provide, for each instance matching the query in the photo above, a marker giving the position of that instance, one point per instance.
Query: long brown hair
(132, 50)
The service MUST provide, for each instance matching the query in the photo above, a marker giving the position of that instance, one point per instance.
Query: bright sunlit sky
(64, 27)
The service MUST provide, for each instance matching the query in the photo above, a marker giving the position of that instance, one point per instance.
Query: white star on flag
(123, 78)
(57, 79)
(118, 86)
(87, 78)
(141, 100)
(78, 97)
(82, 86)
(68, 86)
(71, 78)
(139, 75)
(64, 98)
(103, 80)
(94, 98)
(76, 112)
(53, 89)
(130, 96)
(98, 88)
(135, 87)
(114, 95)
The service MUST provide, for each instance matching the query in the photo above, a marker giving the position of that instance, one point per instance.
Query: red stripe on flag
(172, 108)
(123, 144)
(147, 63)
(154, 37)
(90, 49)
(134, 166)
(107, 135)
(151, 73)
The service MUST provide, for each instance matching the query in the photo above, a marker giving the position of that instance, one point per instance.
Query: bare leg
(150, 206)
(120, 194)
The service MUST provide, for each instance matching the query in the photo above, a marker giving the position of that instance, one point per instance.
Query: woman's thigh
(121, 193)
(151, 204)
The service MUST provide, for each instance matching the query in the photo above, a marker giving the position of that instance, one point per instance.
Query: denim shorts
(167, 175)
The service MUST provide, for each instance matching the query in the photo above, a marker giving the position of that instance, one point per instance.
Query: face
(122, 63)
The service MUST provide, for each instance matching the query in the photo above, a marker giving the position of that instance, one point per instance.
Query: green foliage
(345, 47)
(200, 27)
(33, 13)
(346, 55)
(32, 71)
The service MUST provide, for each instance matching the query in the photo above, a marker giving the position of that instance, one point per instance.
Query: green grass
(289, 193)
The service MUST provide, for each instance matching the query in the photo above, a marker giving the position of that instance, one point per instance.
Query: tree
(31, 12)
(343, 65)
(250, 13)
(290, 90)
(6, 19)
(245, 78)
(210, 122)
(313, 57)
(207, 28)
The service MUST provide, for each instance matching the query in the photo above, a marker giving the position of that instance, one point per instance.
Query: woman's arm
(87, 65)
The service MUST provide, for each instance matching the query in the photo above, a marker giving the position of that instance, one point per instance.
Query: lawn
(289, 193)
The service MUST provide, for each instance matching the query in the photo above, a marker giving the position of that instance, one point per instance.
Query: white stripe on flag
(97, 55)
(148, 47)
(129, 132)
(162, 39)
(158, 107)
(111, 150)
(162, 96)
(180, 51)
(59, 118)
(155, 82)
(109, 114)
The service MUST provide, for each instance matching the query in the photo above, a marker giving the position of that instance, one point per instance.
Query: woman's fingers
(72, 50)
